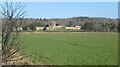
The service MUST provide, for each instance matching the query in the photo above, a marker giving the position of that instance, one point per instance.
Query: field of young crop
(71, 48)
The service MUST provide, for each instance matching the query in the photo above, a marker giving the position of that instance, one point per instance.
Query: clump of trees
(32, 26)
(88, 26)
(100, 27)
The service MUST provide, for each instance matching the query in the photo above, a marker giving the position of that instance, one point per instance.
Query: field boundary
(62, 32)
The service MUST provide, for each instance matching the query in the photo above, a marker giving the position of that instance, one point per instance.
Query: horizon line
(72, 17)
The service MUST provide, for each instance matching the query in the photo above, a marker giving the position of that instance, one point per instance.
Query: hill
(73, 20)
(96, 24)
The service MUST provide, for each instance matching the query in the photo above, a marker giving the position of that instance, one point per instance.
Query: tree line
(88, 24)
(100, 27)
(86, 27)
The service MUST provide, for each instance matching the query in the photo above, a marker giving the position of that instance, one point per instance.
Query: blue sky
(71, 9)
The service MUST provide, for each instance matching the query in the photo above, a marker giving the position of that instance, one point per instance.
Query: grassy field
(72, 48)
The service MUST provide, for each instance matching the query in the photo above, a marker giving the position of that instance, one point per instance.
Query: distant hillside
(74, 20)
(88, 23)
(82, 20)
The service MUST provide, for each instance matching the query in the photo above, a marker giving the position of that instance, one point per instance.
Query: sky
(71, 9)
(60, 0)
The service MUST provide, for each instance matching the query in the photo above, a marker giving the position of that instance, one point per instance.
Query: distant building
(18, 29)
(52, 26)
(39, 28)
(74, 28)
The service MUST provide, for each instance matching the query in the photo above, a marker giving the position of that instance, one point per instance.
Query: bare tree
(0, 41)
(12, 15)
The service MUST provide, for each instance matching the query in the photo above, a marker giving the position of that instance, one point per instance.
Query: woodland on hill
(89, 24)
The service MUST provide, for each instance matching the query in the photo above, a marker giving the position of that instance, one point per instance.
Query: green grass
(72, 48)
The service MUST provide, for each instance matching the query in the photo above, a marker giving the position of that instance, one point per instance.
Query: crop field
(71, 48)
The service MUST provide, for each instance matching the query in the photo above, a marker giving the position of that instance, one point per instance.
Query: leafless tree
(12, 14)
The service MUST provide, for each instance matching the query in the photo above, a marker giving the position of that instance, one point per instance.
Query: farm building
(39, 28)
(52, 26)
(18, 28)
(74, 28)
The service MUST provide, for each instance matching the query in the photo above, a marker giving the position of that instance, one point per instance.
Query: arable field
(71, 48)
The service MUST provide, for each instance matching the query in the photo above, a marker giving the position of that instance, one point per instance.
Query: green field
(72, 48)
